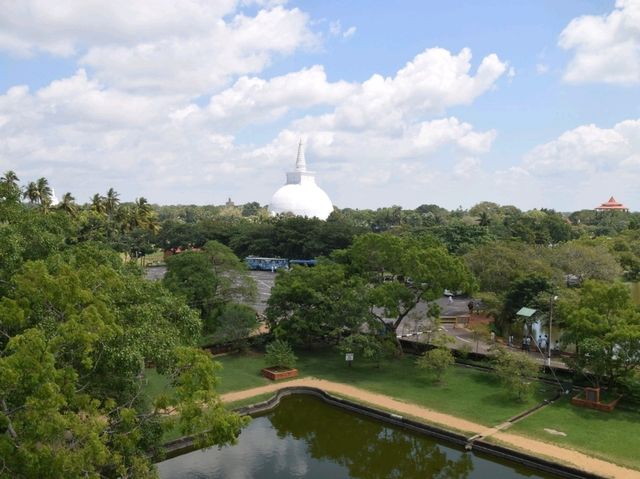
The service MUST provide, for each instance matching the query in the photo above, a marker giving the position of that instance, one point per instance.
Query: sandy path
(567, 456)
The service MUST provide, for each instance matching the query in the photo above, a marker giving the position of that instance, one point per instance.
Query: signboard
(348, 357)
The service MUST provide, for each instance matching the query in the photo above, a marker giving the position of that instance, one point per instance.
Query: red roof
(612, 204)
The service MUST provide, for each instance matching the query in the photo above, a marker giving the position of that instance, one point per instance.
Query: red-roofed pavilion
(612, 204)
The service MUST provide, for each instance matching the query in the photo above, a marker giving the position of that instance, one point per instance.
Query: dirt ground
(532, 446)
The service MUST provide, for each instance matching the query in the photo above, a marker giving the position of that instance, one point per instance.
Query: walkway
(532, 446)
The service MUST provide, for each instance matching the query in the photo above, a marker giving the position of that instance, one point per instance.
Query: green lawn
(613, 436)
(466, 393)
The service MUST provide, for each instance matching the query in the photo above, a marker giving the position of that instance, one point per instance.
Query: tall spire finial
(301, 163)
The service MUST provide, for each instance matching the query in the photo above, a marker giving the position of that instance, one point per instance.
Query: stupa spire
(301, 163)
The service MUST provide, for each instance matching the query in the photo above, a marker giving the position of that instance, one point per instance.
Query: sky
(534, 103)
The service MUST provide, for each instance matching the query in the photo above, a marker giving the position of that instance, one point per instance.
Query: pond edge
(186, 444)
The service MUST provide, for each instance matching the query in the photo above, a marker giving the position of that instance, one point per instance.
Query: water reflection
(304, 437)
(368, 449)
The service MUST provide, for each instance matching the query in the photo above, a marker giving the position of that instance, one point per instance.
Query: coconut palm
(10, 178)
(98, 204)
(67, 203)
(145, 216)
(9, 188)
(31, 192)
(111, 202)
(45, 194)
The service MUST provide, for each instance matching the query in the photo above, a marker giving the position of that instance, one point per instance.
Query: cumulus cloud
(161, 104)
(255, 99)
(587, 149)
(189, 47)
(606, 48)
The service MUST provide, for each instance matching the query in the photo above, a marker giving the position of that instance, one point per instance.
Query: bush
(279, 353)
(517, 372)
(436, 362)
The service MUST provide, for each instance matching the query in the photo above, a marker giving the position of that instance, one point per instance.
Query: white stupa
(301, 196)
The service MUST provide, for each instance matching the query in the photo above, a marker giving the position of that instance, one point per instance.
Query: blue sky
(532, 103)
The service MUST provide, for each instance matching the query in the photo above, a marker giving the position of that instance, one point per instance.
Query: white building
(300, 195)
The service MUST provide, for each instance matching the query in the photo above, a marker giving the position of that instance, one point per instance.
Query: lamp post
(553, 298)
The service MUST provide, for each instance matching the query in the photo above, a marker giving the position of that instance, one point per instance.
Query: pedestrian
(470, 306)
(528, 344)
(523, 346)
(450, 300)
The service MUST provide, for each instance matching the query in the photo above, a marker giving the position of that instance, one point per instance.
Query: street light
(553, 298)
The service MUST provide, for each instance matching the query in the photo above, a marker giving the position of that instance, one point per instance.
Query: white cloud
(349, 32)
(587, 149)
(189, 47)
(606, 48)
(87, 133)
(542, 69)
(252, 100)
(335, 29)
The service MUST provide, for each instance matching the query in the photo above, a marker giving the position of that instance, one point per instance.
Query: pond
(305, 437)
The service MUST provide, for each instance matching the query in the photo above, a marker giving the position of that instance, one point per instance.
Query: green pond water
(305, 437)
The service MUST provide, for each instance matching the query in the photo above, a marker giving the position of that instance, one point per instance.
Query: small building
(612, 205)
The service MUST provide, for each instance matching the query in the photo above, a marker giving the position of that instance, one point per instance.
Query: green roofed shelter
(526, 312)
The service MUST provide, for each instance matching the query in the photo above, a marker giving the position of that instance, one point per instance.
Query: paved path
(532, 446)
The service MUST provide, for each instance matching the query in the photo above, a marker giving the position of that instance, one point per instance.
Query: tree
(436, 362)
(98, 204)
(44, 193)
(497, 264)
(209, 280)
(31, 192)
(516, 371)
(279, 353)
(77, 330)
(236, 323)
(532, 291)
(68, 205)
(111, 202)
(9, 187)
(311, 305)
(605, 327)
(370, 347)
(401, 272)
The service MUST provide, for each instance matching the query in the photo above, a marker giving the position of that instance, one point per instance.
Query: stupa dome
(300, 195)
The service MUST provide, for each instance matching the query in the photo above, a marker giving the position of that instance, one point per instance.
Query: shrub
(279, 353)
(436, 362)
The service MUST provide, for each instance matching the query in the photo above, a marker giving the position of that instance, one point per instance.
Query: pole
(550, 325)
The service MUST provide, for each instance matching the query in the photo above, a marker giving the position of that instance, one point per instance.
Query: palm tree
(111, 202)
(10, 178)
(9, 188)
(67, 203)
(31, 192)
(44, 193)
(98, 204)
(145, 216)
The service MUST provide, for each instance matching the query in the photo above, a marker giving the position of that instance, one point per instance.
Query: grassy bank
(611, 436)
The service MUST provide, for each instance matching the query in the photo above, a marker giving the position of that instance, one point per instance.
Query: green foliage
(516, 371)
(279, 353)
(209, 280)
(77, 329)
(235, 324)
(605, 326)
(367, 346)
(310, 305)
(531, 291)
(401, 272)
(436, 362)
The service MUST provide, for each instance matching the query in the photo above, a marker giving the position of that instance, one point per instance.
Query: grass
(611, 436)
(467, 393)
